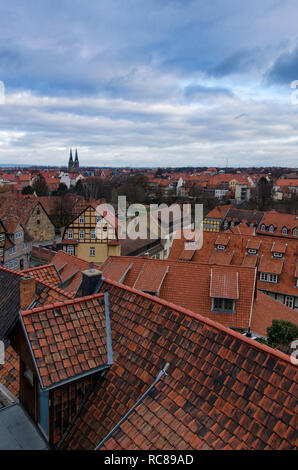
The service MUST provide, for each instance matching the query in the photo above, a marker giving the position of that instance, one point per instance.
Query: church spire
(70, 162)
(76, 162)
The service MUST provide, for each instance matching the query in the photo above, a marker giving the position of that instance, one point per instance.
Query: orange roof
(151, 277)
(211, 396)
(279, 246)
(270, 265)
(47, 273)
(238, 247)
(221, 257)
(279, 221)
(222, 239)
(266, 310)
(187, 284)
(79, 348)
(218, 212)
(224, 284)
(118, 271)
(253, 244)
(286, 182)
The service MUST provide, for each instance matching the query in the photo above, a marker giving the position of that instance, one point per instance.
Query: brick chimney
(27, 291)
(92, 281)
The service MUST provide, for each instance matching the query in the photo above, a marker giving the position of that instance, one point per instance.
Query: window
(70, 250)
(92, 235)
(12, 250)
(277, 255)
(220, 247)
(295, 232)
(70, 235)
(81, 234)
(268, 277)
(223, 305)
(289, 301)
(38, 221)
(2, 237)
(1, 251)
(25, 246)
(92, 251)
(263, 227)
(18, 235)
(251, 251)
(271, 228)
(81, 219)
(284, 231)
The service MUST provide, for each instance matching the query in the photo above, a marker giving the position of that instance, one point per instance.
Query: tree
(263, 194)
(281, 332)
(40, 186)
(27, 190)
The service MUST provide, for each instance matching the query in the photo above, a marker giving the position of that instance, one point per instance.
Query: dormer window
(271, 228)
(18, 235)
(268, 277)
(223, 305)
(263, 227)
(220, 247)
(277, 255)
(284, 231)
(295, 232)
(251, 251)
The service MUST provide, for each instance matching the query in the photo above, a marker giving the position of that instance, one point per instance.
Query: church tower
(70, 162)
(76, 162)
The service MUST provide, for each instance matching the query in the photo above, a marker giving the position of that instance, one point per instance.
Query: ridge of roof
(36, 268)
(51, 286)
(176, 261)
(205, 320)
(61, 304)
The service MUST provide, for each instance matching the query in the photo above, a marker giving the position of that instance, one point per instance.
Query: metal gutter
(158, 378)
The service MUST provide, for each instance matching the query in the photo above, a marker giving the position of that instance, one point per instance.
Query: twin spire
(73, 164)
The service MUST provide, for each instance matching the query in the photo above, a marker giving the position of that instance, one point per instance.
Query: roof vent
(92, 281)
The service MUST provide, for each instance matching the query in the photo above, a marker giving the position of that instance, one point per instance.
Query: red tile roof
(46, 273)
(70, 270)
(222, 239)
(151, 277)
(117, 271)
(188, 284)
(238, 247)
(10, 371)
(221, 391)
(221, 257)
(218, 212)
(268, 309)
(279, 221)
(224, 284)
(270, 265)
(67, 339)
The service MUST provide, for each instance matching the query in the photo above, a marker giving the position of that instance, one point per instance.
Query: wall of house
(18, 257)
(39, 226)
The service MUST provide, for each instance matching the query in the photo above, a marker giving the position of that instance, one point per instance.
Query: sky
(149, 83)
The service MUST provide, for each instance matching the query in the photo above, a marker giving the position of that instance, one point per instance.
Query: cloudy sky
(149, 82)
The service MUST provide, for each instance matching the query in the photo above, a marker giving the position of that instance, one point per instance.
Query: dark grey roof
(9, 300)
(17, 432)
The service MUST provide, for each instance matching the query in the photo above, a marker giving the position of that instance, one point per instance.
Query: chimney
(92, 281)
(27, 291)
